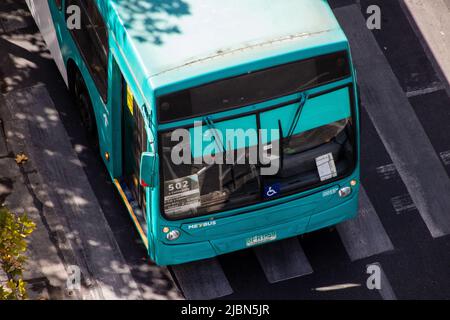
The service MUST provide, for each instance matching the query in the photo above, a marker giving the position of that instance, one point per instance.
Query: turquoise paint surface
(189, 31)
(225, 131)
(192, 51)
(337, 211)
(317, 112)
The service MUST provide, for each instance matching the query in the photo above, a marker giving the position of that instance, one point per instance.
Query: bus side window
(92, 42)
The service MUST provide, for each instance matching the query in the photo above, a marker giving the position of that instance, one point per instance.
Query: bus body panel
(51, 22)
(176, 254)
(131, 59)
(181, 34)
(227, 231)
(42, 15)
(102, 109)
(252, 59)
(297, 207)
(120, 64)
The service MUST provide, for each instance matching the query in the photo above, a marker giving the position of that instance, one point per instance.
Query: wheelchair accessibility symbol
(271, 190)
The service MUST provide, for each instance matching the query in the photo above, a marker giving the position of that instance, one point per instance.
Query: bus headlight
(173, 235)
(345, 192)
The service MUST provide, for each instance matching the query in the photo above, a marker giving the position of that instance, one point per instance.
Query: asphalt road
(403, 226)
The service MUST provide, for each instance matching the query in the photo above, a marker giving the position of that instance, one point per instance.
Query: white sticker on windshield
(326, 167)
(181, 195)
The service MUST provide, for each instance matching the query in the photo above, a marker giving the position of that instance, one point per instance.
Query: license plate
(259, 239)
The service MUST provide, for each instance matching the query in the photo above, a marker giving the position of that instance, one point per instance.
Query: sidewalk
(71, 228)
(51, 186)
(431, 22)
(48, 275)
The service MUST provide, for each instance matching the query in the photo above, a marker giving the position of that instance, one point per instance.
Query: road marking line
(445, 156)
(387, 172)
(202, 280)
(365, 235)
(338, 287)
(403, 204)
(386, 291)
(398, 126)
(424, 91)
(283, 260)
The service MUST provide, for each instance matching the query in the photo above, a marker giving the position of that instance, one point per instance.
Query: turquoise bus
(140, 71)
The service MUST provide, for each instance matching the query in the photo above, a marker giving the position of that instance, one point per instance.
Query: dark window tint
(254, 87)
(134, 144)
(218, 188)
(92, 41)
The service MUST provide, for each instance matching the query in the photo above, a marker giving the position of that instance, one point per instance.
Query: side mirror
(148, 169)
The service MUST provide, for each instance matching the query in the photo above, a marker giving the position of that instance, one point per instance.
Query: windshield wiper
(212, 126)
(219, 143)
(297, 115)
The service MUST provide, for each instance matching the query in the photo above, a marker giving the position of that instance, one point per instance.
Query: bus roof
(181, 39)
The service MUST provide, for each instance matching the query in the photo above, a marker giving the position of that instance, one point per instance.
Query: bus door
(134, 143)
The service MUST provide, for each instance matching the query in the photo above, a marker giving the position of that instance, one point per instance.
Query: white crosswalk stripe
(403, 204)
(398, 126)
(385, 289)
(364, 236)
(387, 172)
(202, 280)
(283, 260)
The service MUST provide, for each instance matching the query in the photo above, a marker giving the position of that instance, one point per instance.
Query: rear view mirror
(148, 169)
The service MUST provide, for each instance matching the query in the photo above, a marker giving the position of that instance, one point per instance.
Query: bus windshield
(190, 190)
(315, 149)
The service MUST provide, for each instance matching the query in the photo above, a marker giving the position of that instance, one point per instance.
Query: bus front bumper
(182, 253)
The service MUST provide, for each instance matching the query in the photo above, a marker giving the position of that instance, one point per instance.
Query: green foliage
(13, 233)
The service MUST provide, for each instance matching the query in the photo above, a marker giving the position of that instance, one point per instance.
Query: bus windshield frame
(348, 172)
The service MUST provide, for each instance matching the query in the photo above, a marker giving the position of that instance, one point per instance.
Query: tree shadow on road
(43, 118)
